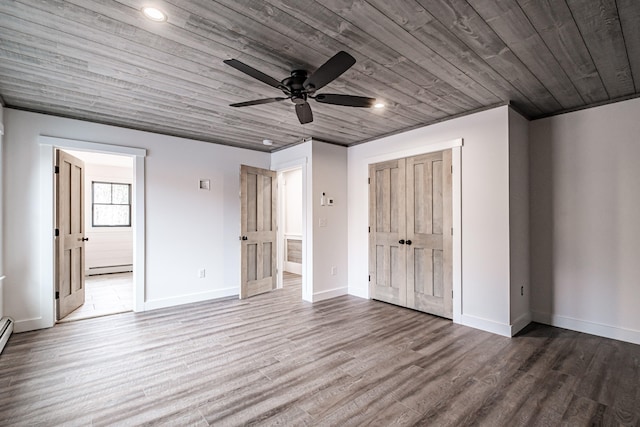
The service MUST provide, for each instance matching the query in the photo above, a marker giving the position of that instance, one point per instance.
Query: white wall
(485, 210)
(585, 205)
(186, 228)
(329, 222)
(107, 246)
(324, 169)
(520, 314)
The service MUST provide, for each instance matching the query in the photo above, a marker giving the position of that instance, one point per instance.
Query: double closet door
(410, 238)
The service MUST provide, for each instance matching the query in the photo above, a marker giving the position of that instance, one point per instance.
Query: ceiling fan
(300, 86)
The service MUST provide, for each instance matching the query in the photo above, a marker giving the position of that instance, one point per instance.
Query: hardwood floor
(276, 360)
(105, 294)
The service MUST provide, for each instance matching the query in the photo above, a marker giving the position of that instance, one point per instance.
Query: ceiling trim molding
(445, 119)
(586, 107)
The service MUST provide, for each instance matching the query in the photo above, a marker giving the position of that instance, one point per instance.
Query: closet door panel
(387, 210)
(428, 225)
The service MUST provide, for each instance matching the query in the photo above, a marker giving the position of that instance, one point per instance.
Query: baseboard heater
(107, 269)
(6, 328)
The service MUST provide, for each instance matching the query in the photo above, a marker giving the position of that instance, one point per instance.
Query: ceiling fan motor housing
(295, 87)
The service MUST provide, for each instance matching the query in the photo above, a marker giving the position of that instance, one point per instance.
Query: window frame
(93, 204)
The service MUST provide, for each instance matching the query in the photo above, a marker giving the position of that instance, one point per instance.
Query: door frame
(455, 146)
(307, 273)
(48, 146)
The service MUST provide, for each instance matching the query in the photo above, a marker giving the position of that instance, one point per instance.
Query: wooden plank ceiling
(428, 60)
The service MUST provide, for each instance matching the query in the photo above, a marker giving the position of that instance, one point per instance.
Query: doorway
(108, 248)
(291, 221)
(48, 145)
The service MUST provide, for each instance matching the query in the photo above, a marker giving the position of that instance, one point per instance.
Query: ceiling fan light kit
(299, 87)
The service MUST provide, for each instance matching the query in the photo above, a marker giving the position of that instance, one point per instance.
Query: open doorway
(291, 226)
(107, 271)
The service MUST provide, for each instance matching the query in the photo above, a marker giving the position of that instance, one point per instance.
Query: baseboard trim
(592, 328)
(359, 292)
(520, 323)
(190, 298)
(31, 324)
(293, 267)
(331, 293)
(485, 325)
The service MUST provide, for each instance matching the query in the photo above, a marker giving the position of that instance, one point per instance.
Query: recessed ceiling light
(267, 142)
(154, 14)
(378, 105)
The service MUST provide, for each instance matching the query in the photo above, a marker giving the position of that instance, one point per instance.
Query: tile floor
(105, 294)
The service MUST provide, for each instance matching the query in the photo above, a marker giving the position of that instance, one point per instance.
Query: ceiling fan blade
(304, 113)
(329, 71)
(257, 102)
(347, 100)
(250, 71)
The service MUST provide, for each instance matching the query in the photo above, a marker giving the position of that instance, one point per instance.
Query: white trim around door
(456, 151)
(48, 145)
(307, 267)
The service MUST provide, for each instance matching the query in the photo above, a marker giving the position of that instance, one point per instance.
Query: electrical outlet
(334, 271)
(201, 273)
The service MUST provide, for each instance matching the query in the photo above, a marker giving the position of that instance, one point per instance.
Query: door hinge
(56, 232)
(369, 277)
(369, 229)
(368, 180)
(451, 294)
(56, 169)
(57, 295)
(451, 168)
(452, 231)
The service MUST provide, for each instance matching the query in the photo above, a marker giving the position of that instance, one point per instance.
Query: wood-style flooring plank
(277, 360)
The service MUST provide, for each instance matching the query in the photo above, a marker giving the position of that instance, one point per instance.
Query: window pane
(120, 194)
(101, 192)
(115, 215)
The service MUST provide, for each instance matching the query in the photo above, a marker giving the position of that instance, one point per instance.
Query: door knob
(245, 238)
(408, 242)
(84, 239)
(401, 241)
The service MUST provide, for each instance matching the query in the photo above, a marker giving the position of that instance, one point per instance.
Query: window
(111, 204)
